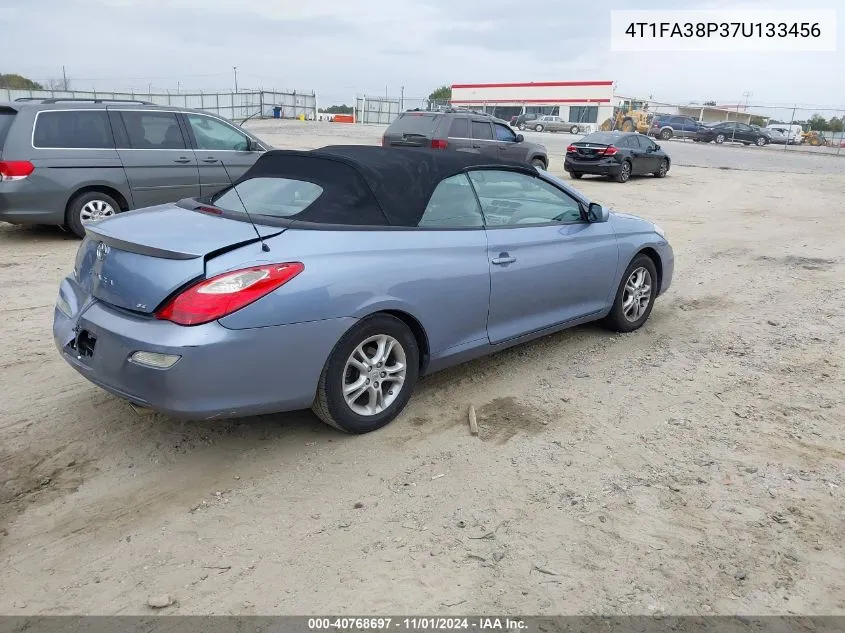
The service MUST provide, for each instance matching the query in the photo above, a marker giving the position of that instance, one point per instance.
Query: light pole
(235, 70)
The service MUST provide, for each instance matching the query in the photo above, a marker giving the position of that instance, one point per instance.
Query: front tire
(577, 175)
(369, 376)
(720, 138)
(573, 129)
(634, 297)
(666, 134)
(662, 169)
(88, 207)
(539, 163)
(538, 128)
(761, 140)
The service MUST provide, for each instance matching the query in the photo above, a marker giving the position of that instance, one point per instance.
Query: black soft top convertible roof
(367, 185)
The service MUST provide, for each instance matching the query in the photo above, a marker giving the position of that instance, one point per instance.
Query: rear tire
(576, 175)
(624, 174)
(632, 305)
(720, 138)
(86, 207)
(339, 374)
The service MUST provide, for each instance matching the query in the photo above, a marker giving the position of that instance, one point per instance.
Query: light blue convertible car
(335, 278)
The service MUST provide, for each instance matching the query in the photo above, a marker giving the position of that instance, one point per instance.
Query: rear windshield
(6, 118)
(414, 123)
(274, 197)
(601, 138)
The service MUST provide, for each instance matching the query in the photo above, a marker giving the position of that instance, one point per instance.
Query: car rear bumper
(605, 166)
(23, 207)
(221, 373)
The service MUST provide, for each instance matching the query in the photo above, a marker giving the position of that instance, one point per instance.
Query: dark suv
(464, 131)
(666, 127)
(68, 162)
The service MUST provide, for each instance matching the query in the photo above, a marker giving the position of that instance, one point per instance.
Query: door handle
(504, 258)
(210, 160)
(182, 159)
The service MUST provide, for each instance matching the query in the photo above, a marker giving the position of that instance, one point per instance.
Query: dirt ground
(692, 467)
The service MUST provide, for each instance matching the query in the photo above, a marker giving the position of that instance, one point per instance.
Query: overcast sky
(342, 47)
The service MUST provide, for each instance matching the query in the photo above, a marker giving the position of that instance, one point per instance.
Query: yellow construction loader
(631, 116)
(816, 139)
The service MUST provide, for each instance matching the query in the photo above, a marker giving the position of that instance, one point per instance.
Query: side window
(452, 205)
(645, 142)
(504, 133)
(152, 130)
(511, 198)
(77, 129)
(482, 130)
(212, 134)
(459, 128)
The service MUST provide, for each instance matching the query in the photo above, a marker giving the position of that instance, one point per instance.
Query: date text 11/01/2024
(416, 624)
(724, 29)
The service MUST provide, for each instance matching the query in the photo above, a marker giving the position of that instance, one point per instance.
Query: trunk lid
(137, 259)
(590, 151)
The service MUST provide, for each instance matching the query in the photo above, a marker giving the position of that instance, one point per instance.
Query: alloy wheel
(374, 375)
(637, 294)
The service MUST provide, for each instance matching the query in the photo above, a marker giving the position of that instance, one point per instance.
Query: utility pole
(178, 87)
(402, 99)
(64, 79)
(235, 70)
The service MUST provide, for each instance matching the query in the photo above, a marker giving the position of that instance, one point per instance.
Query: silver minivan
(68, 162)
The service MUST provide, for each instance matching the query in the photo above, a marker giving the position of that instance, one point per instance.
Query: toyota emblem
(102, 251)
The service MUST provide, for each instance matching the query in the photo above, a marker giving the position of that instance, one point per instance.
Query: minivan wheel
(369, 376)
(89, 207)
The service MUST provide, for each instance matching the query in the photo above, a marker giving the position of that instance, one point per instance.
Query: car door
(745, 133)
(482, 138)
(649, 158)
(548, 265)
(639, 161)
(159, 166)
(222, 151)
(509, 147)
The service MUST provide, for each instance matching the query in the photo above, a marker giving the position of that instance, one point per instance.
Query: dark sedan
(617, 154)
(733, 132)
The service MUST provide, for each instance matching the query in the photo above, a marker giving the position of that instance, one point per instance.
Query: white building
(576, 101)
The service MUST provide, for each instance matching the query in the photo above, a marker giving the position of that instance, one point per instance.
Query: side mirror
(519, 138)
(597, 213)
(253, 146)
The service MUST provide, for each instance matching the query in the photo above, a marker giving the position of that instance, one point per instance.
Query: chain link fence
(235, 106)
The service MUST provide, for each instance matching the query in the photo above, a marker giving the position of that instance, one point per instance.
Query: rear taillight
(221, 295)
(381, 141)
(571, 149)
(439, 144)
(609, 151)
(15, 169)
